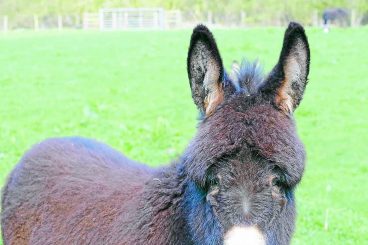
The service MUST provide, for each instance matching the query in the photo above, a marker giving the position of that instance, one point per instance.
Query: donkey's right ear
(286, 83)
(205, 70)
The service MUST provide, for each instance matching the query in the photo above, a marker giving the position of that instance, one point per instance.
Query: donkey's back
(74, 180)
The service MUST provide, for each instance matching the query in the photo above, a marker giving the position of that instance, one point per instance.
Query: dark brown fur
(241, 169)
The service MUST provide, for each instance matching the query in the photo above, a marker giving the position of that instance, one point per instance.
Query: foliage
(130, 90)
(300, 9)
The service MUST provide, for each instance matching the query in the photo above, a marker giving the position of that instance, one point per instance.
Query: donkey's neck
(174, 210)
(201, 221)
(159, 213)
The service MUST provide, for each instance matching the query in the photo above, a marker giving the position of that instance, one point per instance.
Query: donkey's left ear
(286, 83)
(205, 70)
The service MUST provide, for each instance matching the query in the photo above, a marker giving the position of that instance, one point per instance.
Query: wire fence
(159, 19)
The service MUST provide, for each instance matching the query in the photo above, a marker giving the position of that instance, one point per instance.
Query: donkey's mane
(246, 77)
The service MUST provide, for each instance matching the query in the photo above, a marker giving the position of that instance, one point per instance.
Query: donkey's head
(246, 158)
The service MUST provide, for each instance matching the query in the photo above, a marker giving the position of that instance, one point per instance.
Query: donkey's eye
(279, 189)
(279, 181)
(278, 178)
(275, 182)
(213, 181)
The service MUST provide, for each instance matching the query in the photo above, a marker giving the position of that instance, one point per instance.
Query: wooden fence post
(35, 22)
(179, 18)
(209, 17)
(5, 23)
(60, 22)
(85, 21)
(315, 19)
(156, 22)
(140, 19)
(126, 17)
(101, 20)
(353, 18)
(242, 18)
(162, 17)
(77, 23)
(114, 20)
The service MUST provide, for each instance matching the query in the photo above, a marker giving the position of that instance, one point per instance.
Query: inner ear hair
(213, 88)
(205, 70)
(294, 67)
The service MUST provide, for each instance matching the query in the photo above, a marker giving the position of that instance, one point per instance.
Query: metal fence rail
(158, 19)
(131, 18)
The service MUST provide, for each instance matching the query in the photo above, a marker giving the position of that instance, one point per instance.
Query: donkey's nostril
(239, 235)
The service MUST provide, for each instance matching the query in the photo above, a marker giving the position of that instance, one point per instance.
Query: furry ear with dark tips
(287, 81)
(205, 70)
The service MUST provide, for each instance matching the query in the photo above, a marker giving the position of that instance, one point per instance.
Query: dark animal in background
(335, 15)
(234, 184)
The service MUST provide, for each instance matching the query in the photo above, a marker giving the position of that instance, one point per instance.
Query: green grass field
(130, 90)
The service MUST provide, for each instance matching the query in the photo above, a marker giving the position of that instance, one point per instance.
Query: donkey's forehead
(271, 132)
(249, 120)
(248, 123)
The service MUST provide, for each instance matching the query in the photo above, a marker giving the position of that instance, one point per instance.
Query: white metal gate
(132, 18)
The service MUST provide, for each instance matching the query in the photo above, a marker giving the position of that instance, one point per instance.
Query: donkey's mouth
(239, 235)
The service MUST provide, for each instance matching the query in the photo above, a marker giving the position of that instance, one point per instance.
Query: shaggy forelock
(246, 77)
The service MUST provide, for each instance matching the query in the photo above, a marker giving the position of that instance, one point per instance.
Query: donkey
(234, 183)
(339, 15)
